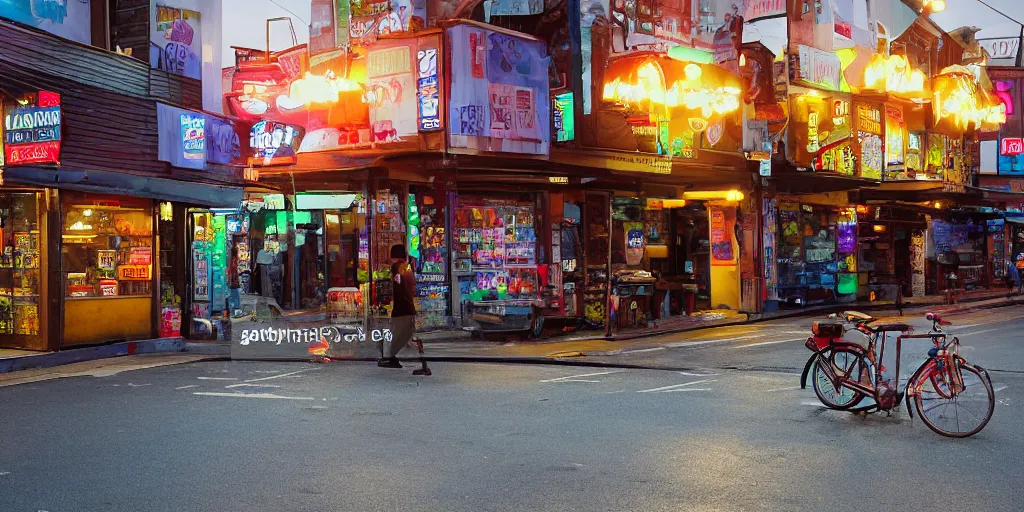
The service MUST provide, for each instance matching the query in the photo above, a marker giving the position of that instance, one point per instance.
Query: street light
(935, 5)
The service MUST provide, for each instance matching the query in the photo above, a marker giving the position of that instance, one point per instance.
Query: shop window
(20, 262)
(107, 248)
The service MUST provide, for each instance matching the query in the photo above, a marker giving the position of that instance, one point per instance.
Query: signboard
(895, 127)
(765, 168)
(223, 145)
(274, 143)
(816, 67)
(1011, 146)
(764, 9)
(869, 133)
(427, 92)
(175, 42)
(134, 273)
(32, 132)
(1002, 48)
(67, 19)
(635, 242)
(393, 111)
(193, 136)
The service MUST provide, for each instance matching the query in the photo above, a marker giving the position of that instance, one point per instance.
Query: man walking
(403, 306)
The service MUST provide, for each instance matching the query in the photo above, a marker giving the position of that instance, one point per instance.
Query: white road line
(813, 404)
(137, 385)
(682, 390)
(582, 380)
(216, 378)
(640, 350)
(674, 386)
(189, 386)
(776, 390)
(768, 343)
(691, 374)
(578, 376)
(979, 332)
(1000, 388)
(279, 376)
(247, 385)
(252, 395)
(679, 344)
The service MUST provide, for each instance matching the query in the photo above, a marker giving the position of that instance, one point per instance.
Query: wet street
(733, 432)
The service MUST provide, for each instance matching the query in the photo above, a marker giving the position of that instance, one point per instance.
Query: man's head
(398, 252)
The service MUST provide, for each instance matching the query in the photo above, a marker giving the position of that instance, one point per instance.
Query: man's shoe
(389, 363)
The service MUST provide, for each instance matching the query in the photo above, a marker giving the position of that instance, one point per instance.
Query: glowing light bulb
(692, 72)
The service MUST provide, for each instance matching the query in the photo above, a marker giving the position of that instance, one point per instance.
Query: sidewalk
(456, 346)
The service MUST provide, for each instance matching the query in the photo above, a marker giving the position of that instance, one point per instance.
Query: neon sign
(893, 74)
(193, 136)
(32, 131)
(272, 141)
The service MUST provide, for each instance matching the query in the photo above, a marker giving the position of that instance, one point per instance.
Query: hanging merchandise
(722, 221)
(431, 246)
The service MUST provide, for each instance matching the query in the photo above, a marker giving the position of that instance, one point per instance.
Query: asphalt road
(264, 436)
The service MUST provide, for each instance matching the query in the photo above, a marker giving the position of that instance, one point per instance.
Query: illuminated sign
(1011, 146)
(893, 74)
(427, 93)
(32, 131)
(193, 136)
(840, 112)
(869, 119)
(561, 180)
(564, 117)
(134, 273)
(271, 141)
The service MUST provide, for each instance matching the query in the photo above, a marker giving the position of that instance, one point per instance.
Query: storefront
(816, 249)
(23, 269)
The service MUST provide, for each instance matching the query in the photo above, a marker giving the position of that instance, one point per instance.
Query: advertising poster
(175, 42)
(721, 30)
(769, 231)
(193, 137)
(223, 145)
(391, 93)
(497, 83)
(1010, 91)
(636, 243)
(70, 19)
(722, 221)
(427, 93)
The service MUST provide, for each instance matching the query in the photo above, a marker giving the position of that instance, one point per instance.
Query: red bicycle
(953, 397)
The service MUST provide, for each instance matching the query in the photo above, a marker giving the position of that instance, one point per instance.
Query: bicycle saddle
(852, 316)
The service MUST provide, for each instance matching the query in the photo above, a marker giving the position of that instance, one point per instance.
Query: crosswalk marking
(561, 379)
(675, 386)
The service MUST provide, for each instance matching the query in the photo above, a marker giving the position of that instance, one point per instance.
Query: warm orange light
(650, 90)
(959, 97)
(878, 228)
(320, 89)
(711, 195)
(861, 209)
(937, 205)
(893, 74)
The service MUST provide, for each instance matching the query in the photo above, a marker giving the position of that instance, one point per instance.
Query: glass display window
(20, 262)
(107, 248)
(495, 250)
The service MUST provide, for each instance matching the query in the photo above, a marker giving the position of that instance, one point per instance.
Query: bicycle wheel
(955, 414)
(844, 361)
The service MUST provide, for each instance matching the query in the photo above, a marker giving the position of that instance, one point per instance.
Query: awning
(108, 182)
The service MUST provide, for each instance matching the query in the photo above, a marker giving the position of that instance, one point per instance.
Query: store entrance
(22, 261)
(692, 251)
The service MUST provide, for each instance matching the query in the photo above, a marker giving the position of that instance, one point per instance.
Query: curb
(159, 345)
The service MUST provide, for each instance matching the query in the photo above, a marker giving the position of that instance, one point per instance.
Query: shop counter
(94, 320)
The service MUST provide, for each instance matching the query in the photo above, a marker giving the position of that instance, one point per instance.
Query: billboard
(176, 42)
(70, 19)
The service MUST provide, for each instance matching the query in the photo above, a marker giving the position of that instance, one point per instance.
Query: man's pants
(402, 328)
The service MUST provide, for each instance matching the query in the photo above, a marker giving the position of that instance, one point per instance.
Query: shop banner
(427, 92)
(722, 221)
(895, 128)
(498, 81)
(32, 131)
(1010, 92)
(1002, 48)
(67, 19)
(175, 42)
(223, 144)
(193, 139)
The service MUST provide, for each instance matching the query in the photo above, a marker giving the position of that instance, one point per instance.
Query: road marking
(216, 378)
(560, 379)
(614, 392)
(282, 375)
(4, 473)
(137, 385)
(687, 389)
(189, 386)
(691, 374)
(1000, 388)
(247, 385)
(776, 390)
(768, 343)
(813, 404)
(679, 344)
(980, 332)
(674, 386)
(252, 395)
(637, 351)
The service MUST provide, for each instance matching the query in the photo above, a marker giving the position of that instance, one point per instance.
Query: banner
(32, 131)
(499, 92)
(176, 43)
(722, 221)
(1003, 48)
(764, 9)
(390, 93)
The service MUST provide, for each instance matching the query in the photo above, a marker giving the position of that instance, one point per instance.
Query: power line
(300, 17)
(1001, 13)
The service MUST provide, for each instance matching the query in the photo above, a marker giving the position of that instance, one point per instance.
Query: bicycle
(843, 375)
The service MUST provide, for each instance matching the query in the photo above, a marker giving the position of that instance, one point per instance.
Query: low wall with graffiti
(280, 338)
